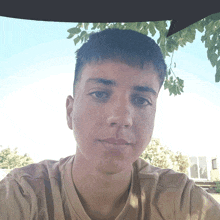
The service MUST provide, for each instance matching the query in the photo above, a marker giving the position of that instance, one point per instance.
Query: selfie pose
(118, 77)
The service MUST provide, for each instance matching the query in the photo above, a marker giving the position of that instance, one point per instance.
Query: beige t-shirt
(46, 191)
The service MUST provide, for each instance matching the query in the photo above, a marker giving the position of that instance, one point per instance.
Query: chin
(111, 168)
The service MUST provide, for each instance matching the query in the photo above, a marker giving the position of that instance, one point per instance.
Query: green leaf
(190, 37)
(152, 28)
(200, 26)
(86, 25)
(76, 40)
(171, 45)
(163, 50)
(83, 36)
(166, 84)
(80, 25)
(83, 33)
(207, 42)
(95, 25)
(213, 59)
(102, 26)
(162, 40)
(74, 30)
(144, 31)
(159, 40)
(70, 36)
(212, 56)
(174, 86)
(169, 72)
(138, 26)
(217, 75)
(159, 25)
(86, 36)
(215, 16)
(70, 30)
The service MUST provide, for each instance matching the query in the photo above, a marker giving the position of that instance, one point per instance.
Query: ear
(69, 110)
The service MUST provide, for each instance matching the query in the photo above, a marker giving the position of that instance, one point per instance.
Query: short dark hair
(128, 46)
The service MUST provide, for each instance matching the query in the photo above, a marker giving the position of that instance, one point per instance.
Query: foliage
(217, 187)
(10, 159)
(210, 26)
(161, 156)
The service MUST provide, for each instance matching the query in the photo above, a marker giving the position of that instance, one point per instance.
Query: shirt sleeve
(180, 198)
(196, 203)
(203, 205)
(14, 202)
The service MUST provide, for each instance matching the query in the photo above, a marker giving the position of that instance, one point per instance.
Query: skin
(101, 171)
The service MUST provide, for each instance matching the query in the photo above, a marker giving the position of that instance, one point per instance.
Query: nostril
(120, 121)
(112, 124)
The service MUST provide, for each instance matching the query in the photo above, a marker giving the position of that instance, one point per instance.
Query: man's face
(103, 112)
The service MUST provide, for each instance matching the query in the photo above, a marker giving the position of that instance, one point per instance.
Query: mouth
(115, 141)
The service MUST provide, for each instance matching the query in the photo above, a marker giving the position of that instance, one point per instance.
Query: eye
(140, 101)
(99, 95)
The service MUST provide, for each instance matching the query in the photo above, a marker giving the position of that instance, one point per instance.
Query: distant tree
(10, 159)
(161, 156)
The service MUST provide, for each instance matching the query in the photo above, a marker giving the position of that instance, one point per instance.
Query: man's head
(112, 112)
(127, 46)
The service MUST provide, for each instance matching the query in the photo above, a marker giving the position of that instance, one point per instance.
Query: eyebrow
(108, 82)
(144, 89)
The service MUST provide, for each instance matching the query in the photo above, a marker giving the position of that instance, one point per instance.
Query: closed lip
(116, 141)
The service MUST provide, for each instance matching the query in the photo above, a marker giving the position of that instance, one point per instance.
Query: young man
(118, 76)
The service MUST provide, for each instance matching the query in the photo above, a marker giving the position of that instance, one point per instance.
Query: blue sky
(37, 64)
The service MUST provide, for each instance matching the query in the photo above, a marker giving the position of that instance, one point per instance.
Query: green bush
(161, 156)
(217, 186)
(10, 159)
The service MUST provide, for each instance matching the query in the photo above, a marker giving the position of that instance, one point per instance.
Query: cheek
(79, 116)
(146, 118)
(145, 126)
(85, 121)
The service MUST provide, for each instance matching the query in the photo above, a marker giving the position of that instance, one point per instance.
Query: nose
(120, 113)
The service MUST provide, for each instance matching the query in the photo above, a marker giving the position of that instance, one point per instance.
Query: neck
(97, 189)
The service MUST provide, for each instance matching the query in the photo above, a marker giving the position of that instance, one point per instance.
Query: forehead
(119, 74)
